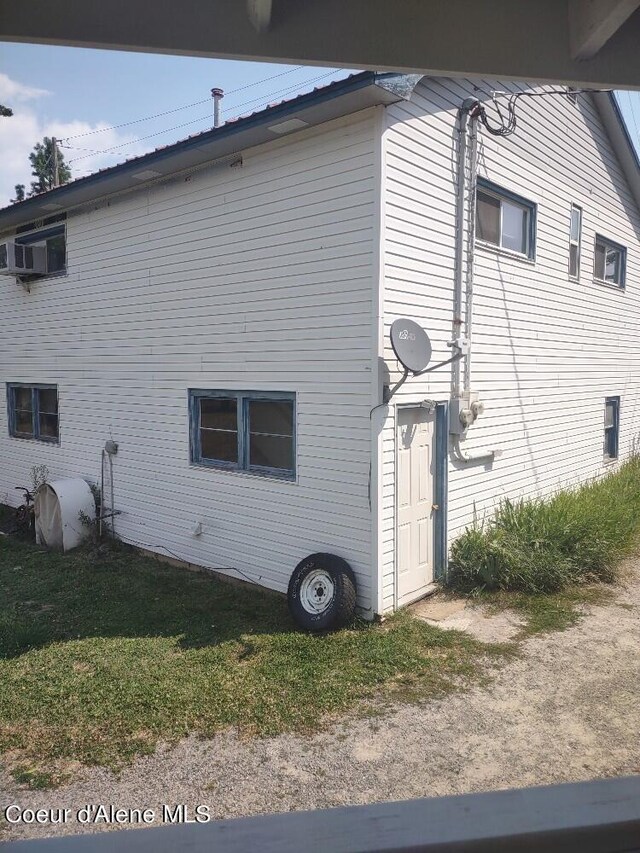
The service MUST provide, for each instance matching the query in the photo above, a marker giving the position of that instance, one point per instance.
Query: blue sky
(72, 92)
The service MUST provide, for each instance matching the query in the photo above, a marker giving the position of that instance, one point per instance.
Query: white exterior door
(415, 502)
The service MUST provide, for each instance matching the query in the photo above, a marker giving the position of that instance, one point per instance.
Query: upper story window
(609, 261)
(575, 239)
(54, 239)
(244, 431)
(33, 411)
(504, 219)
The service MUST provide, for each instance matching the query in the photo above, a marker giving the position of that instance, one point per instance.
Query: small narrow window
(33, 411)
(611, 427)
(504, 219)
(244, 431)
(575, 236)
(609, 261)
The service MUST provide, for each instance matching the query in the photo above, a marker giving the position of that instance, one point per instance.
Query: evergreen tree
(42, 161)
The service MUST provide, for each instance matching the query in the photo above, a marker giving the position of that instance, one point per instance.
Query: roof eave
(314, 108)
(623, 147)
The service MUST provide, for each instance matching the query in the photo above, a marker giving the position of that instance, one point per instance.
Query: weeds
(539, 546)
(36, 779)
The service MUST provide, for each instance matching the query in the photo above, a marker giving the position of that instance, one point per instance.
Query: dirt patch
(483, 623)
(565, 709)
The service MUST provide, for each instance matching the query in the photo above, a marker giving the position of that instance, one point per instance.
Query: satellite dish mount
(413, 350)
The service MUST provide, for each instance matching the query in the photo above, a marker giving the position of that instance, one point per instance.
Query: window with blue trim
(54, 240)
(244, 431)
(505, 219)
(609, 261)
(33, 411)
(611, 426)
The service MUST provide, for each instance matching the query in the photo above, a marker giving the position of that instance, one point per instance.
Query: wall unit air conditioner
(17, 259)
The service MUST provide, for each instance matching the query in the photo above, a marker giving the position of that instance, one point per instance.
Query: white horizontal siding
(251, 277)
(546, 350)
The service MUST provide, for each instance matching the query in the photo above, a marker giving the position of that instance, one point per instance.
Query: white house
(221, 308)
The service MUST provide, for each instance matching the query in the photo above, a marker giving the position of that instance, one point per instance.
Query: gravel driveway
(568, 709)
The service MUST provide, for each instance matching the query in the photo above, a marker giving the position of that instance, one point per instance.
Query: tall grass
(537, 546)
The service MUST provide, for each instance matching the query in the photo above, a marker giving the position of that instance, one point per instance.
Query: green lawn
(102, 656)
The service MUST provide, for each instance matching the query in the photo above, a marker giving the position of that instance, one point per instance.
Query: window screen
(504, 220)
(245, 431)
(611, 427)
(609, 260)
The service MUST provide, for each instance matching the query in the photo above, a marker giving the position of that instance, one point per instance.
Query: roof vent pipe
(217, 95)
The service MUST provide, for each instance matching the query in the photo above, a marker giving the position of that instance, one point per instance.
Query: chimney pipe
(217, 95)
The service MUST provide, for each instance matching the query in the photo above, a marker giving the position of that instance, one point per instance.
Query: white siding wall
(253, 277)
(546, 349)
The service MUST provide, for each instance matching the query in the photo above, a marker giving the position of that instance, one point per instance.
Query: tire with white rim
(322, 593)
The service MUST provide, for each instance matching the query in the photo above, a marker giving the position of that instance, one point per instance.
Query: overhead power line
(506, 125)
(115, 149)
(177, 109)
(633, 117)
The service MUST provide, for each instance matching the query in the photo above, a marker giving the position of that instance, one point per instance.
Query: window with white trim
(575, 238)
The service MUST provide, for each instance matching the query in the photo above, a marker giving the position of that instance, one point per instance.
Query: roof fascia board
(616, 128)
(334, 101)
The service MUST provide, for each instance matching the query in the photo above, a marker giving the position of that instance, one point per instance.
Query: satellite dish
(411, 344)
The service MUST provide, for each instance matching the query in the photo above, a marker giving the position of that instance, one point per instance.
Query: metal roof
(337, 99)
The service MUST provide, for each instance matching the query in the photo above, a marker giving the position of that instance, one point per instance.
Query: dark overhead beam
(593, 22)
(507, 39)
(259, 12)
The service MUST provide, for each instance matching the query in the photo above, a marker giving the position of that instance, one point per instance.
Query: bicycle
(25, 513)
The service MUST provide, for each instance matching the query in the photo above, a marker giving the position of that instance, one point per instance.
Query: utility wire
(135, 121)
(260, 99)
(507, 123)
(158, 548)
(267, 98)
(633, 118)
(115, 148)
(184, 107)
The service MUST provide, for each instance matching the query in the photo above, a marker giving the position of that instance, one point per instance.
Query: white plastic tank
(59, 508)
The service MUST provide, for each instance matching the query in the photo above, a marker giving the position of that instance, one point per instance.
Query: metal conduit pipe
(471, 241)
(463, 120)
(464, 261)
(471, 455)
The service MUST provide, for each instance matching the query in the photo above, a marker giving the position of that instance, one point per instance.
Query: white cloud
(25, 128)
(12, 90)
